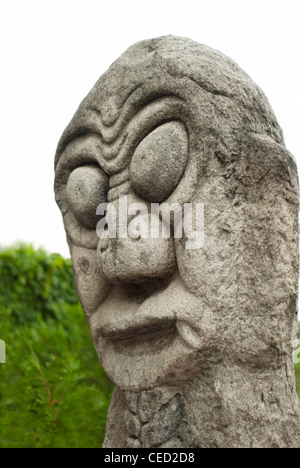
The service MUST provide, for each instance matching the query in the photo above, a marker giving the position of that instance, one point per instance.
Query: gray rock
(150, 401)
(159, 162)
(133, 443)
(173, 443)
(164, 424)
(133, 424)
(132, 401)
(197, 341)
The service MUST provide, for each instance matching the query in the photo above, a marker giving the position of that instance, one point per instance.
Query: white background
(52, 52)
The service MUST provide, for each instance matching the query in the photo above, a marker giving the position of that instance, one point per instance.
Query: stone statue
(198, 341)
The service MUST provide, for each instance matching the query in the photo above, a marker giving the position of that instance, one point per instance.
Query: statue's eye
(159, 162)
(86, 188)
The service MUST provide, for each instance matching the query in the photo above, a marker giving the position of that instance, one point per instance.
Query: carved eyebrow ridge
(147, 119)
(114, 120)
(110, 134)
(116, 141)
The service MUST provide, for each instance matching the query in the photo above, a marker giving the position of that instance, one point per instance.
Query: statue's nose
(136, 260)
(126, 255)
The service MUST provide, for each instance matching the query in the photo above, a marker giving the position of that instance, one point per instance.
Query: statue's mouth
(143, 340)
(126, 321)
(140, 320)
(139, 330)
(143, 329)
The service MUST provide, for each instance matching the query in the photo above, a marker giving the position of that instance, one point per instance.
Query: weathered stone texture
(197, 342)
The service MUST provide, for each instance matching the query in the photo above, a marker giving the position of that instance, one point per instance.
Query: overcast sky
(52, 52)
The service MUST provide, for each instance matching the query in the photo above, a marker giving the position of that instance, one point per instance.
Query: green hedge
(53, 390)
(33, 283)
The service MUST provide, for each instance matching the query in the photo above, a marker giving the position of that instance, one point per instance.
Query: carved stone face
(173, 121)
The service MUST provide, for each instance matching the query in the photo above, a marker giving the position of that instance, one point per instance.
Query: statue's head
(178, 123)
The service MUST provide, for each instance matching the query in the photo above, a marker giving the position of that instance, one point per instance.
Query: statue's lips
(132, 313)
(170, 312)
(141, 326)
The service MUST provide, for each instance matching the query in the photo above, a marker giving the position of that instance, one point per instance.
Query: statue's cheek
(91, 286)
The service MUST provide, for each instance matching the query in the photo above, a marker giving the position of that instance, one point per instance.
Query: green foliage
(53, 390)
(297, 373)
(33, 282)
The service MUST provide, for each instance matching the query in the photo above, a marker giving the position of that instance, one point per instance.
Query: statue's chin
(148, 360)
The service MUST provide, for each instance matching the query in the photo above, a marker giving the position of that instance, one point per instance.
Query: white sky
(52, 52)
